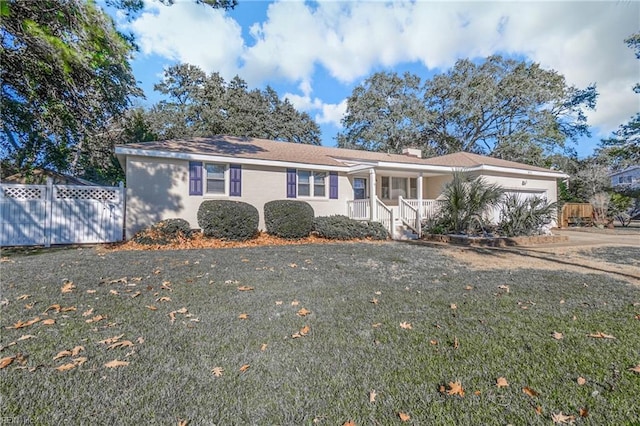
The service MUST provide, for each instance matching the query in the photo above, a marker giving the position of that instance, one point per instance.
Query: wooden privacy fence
(60, 214)
(577, 214)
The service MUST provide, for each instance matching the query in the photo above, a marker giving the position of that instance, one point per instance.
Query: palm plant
(466, 201)
(525, 216)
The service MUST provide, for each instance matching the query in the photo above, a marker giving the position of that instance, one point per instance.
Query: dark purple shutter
(333, 185)
(195, 178)
(235, 180)
(291, 183)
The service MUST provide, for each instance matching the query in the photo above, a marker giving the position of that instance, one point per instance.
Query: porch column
(419, 214)
(373, 213)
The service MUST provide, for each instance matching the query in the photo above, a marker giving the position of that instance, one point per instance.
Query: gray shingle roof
(262, 149)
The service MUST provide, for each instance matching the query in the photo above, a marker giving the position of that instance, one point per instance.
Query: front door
(359, 188)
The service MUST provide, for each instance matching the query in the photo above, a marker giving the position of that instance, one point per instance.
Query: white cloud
(190, 33)
(349, 40)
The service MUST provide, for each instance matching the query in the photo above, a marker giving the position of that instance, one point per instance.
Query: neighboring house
(627, 178)
(171, 178)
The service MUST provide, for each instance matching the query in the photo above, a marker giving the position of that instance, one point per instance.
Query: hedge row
(238, 221)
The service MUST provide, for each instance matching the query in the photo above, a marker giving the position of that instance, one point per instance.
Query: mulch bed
(199, 241)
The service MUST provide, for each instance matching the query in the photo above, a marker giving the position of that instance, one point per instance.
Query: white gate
(60, 214)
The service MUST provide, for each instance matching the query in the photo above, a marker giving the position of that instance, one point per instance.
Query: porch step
(402, 232)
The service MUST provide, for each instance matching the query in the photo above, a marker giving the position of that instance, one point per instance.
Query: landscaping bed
(495, 241)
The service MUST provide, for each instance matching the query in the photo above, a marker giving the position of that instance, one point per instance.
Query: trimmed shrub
(228, 220)
(164, 232)
(342, 228)
(291, 219)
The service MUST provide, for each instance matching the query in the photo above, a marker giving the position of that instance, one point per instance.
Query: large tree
(65, 74)
(66, 82)
(385, 113)
(507, 108)
(197, 104)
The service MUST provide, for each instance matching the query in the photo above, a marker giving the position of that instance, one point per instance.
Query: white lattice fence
(60, 214)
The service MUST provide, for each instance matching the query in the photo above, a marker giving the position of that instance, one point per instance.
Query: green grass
(325, 376)
(621, 255)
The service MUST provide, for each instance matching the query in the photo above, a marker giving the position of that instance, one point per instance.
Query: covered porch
(396, 198)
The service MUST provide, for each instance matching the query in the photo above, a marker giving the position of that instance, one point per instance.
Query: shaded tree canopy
(198, 104)
(66, 82)
(510, 109)
(65, 74)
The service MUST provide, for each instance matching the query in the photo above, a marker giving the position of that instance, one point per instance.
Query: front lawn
(304, 334)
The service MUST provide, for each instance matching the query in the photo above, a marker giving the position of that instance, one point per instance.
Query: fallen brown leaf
(557, 335)
(349, 423)
(243, 316)
(406, 325)
(244, 368)
(54, 307)
(263, 347)
(295, 303)
(122, 344)
(217, 371)
(376, 325)
(68, 309)
(62, 354)
(111, 340)
(23, 297)
(163, 299)
(635, 369)
(600, 335)
(504, 287)
(581, 381)
(303, 312)
(433, 342)
(453, 306)
(530, 391)
(96, 319)
(404, 416)
(303, 332)
(114, 292)
(456, 343)
(116, 363)
(6, 361)
(502, 382)
(374, 301)
(22, 324)
(245, 288)
(562, 418)
(172, 314)
(136, 294)
(66, 367)
(584, 412)
(455, 388)
(67, 287)
(372, 396)
(49, 321)
(151, 307)
(25, 337)
(87, 312)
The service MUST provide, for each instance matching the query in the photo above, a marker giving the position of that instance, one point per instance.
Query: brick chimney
(412, 152)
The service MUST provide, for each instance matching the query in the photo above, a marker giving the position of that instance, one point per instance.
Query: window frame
(410, 183)
(312, 185)
(225, 179)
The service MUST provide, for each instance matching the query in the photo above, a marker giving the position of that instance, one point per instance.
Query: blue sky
(315, 53)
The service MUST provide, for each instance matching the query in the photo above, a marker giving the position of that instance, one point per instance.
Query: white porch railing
(384, 215)
(409, 215)
(429, 209)
(359, 209)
